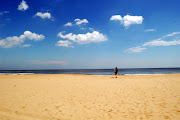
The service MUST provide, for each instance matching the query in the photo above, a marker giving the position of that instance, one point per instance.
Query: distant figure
(116, 71)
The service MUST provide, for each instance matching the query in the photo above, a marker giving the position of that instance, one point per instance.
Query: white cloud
(64, 43)
(4, 12)
(33, 36)
(11, 41)
(82, 28)
(92, 29)
(172, 34)
(43, 15)
(128, 19)
(26, 45)
(116, 17)
(150, 30)
(161, 43)
(154, 43)
(15, 40)
(68, 24)
(95, 37)
(135, 49)
(47, 62)
(23, 6)
(79, 21)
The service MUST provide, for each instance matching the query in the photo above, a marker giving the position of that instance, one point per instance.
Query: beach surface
(89, 97)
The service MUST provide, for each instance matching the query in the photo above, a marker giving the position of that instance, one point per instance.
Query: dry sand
(88, 97)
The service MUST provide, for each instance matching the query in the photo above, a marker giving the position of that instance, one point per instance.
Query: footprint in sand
(23, 107)
(57, 107)
(166, 117)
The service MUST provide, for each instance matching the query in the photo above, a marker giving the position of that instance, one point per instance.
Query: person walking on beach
(116, 71)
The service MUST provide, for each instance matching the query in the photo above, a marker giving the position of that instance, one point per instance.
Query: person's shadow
(113, 77)
(118, 76)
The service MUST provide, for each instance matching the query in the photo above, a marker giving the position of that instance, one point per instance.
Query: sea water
(127, 71)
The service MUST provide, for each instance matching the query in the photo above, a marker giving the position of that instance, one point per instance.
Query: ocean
(127, 71)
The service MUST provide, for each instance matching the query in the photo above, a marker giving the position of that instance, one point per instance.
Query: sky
(89, 34)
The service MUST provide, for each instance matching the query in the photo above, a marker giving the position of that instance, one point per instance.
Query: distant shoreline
(133, 71)
(94, 75)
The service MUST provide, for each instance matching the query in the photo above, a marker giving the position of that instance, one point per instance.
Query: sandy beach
(89, 97)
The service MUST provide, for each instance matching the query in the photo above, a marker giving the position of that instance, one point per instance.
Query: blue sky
(75, 34)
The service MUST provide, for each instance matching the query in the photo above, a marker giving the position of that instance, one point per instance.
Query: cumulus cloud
(26, 45)
(64, 43)
(11, 41)
(116, 17)
(79, 21)
(135, 49)
(128, 20)
(150, 30)
(47, 62)
(68, 24)
(15, 40)
(95, 37)
(43, 15)
(33, 36)
(156, 42)
(23, 6)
